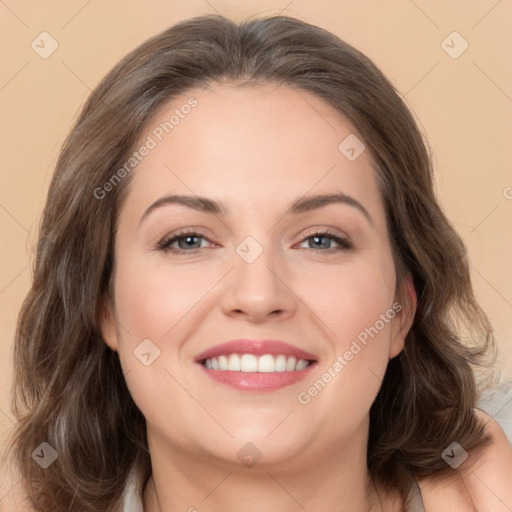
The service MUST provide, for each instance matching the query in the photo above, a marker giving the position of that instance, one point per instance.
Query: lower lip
(256, 381)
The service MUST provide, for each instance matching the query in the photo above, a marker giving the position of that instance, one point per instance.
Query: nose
(259, 291)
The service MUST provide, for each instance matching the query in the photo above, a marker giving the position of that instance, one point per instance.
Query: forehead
(249, 146)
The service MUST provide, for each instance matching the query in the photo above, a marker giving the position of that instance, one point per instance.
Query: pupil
(326, 242)
(189, 240)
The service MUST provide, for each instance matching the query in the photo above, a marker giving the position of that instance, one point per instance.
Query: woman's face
(251, 268)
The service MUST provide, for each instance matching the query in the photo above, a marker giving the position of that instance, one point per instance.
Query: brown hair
(69, 388)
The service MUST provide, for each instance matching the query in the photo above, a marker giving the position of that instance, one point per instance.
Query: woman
(246, 295)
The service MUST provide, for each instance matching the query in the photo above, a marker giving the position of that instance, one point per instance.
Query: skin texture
(318, 301)
(257, 149)
(313, 455)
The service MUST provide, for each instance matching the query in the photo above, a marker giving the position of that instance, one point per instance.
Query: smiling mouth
(266, 363)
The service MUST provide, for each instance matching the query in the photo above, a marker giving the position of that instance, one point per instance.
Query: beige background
(464, 105)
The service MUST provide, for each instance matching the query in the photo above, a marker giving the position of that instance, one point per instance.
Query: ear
(108, 326)
(405, 306)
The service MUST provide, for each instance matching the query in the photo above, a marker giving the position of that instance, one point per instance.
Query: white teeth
(266, 364)
(280, 363)
(251, 363)
(290, 364)
(223, 363)
(233, 363)
(301, 364)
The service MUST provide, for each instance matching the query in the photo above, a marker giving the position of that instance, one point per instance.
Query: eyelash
(164, 245)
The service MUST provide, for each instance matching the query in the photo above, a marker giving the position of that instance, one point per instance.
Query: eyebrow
(297, 207)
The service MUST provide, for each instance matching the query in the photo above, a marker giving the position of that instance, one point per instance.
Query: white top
(496, 402)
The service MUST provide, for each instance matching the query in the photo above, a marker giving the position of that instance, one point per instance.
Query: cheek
(354, 305)
(350, 297)
(152, 300)
(350, 377)
(344, 299)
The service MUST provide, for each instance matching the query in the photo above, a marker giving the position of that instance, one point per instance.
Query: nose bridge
(256, 264)
(256, 287)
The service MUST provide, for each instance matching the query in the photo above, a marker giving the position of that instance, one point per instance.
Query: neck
(336, 480)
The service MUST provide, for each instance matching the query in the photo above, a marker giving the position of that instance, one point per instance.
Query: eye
(324, 240)
(187, 242)
(190, 242)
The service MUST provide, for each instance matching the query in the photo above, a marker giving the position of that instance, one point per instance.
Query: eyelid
(343, 240)
(335, 233)
(164, 243)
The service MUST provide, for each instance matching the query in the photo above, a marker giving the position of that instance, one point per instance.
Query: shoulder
(490, 476)
(483, 483)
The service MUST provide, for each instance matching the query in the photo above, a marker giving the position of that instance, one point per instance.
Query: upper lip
(256, 347)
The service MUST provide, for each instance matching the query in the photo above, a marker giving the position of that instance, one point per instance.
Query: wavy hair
(69, 389)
